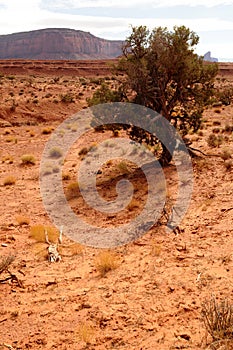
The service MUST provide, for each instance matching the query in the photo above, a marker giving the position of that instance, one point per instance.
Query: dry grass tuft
(22, 220)
(47, 131)
(9, 181)
(134, 204)
(37, 232)
(106, 261)
(83, 151)
(85, 332)
(66, 176)
(55, 153)
(123, 167)
(155, 248)
(5, 262)
(71, 249)
(28, 159)
(72, 190)
(218, 319)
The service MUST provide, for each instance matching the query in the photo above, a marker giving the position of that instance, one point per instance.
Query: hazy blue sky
(212, 20)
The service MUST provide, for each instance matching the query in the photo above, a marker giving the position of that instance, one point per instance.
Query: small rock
(185, 336)
(86, 306)
(4, 245)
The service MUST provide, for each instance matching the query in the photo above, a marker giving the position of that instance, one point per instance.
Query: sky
(212, 20)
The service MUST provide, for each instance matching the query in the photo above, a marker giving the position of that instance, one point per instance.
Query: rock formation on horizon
(57, 44)
(207, 57)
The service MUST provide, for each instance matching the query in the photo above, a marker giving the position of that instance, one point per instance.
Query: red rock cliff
(55, 44)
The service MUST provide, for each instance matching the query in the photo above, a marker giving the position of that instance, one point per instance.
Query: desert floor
(153, 296)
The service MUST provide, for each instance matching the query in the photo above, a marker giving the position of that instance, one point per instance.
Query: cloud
(27, 15)
(71, 4)
(192, 3)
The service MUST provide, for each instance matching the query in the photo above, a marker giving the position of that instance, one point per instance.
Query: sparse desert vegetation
(106, 261)
(9, 180)
(218, 321)
(154, 293)
(28, 159)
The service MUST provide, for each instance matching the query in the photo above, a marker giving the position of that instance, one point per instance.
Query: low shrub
(47, 131)
(228, 164)
(37, 232)
(9, 181)
(55, 152)
(226, 154)
(105, 262)
(218, 319)
(22, 220)
(72, 190)
(214, 141)
(28, 159)
(67, 98)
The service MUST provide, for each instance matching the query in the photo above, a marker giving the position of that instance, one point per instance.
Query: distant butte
(58, 44)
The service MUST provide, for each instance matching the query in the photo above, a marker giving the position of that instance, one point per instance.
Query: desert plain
(152, 297)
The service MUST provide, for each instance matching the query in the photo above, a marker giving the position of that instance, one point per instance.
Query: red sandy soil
(58, 68)
(153, 299)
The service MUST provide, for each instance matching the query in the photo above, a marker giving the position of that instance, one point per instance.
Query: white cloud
(27, 15)
(132, 3)
(206, 3)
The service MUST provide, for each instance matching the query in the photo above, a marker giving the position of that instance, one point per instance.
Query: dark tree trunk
(165, 157)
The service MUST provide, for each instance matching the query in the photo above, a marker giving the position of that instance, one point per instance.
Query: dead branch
(224, 211)
(3, 320)
(191, 149)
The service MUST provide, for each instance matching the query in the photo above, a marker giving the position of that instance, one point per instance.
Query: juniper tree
(162, 72)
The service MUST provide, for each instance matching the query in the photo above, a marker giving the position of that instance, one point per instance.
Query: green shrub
(103, 95)
(67, 98)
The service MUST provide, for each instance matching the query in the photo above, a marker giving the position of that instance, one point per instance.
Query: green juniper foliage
(162, 72)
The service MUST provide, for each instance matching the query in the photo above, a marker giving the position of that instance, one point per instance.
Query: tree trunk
(165, 157)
